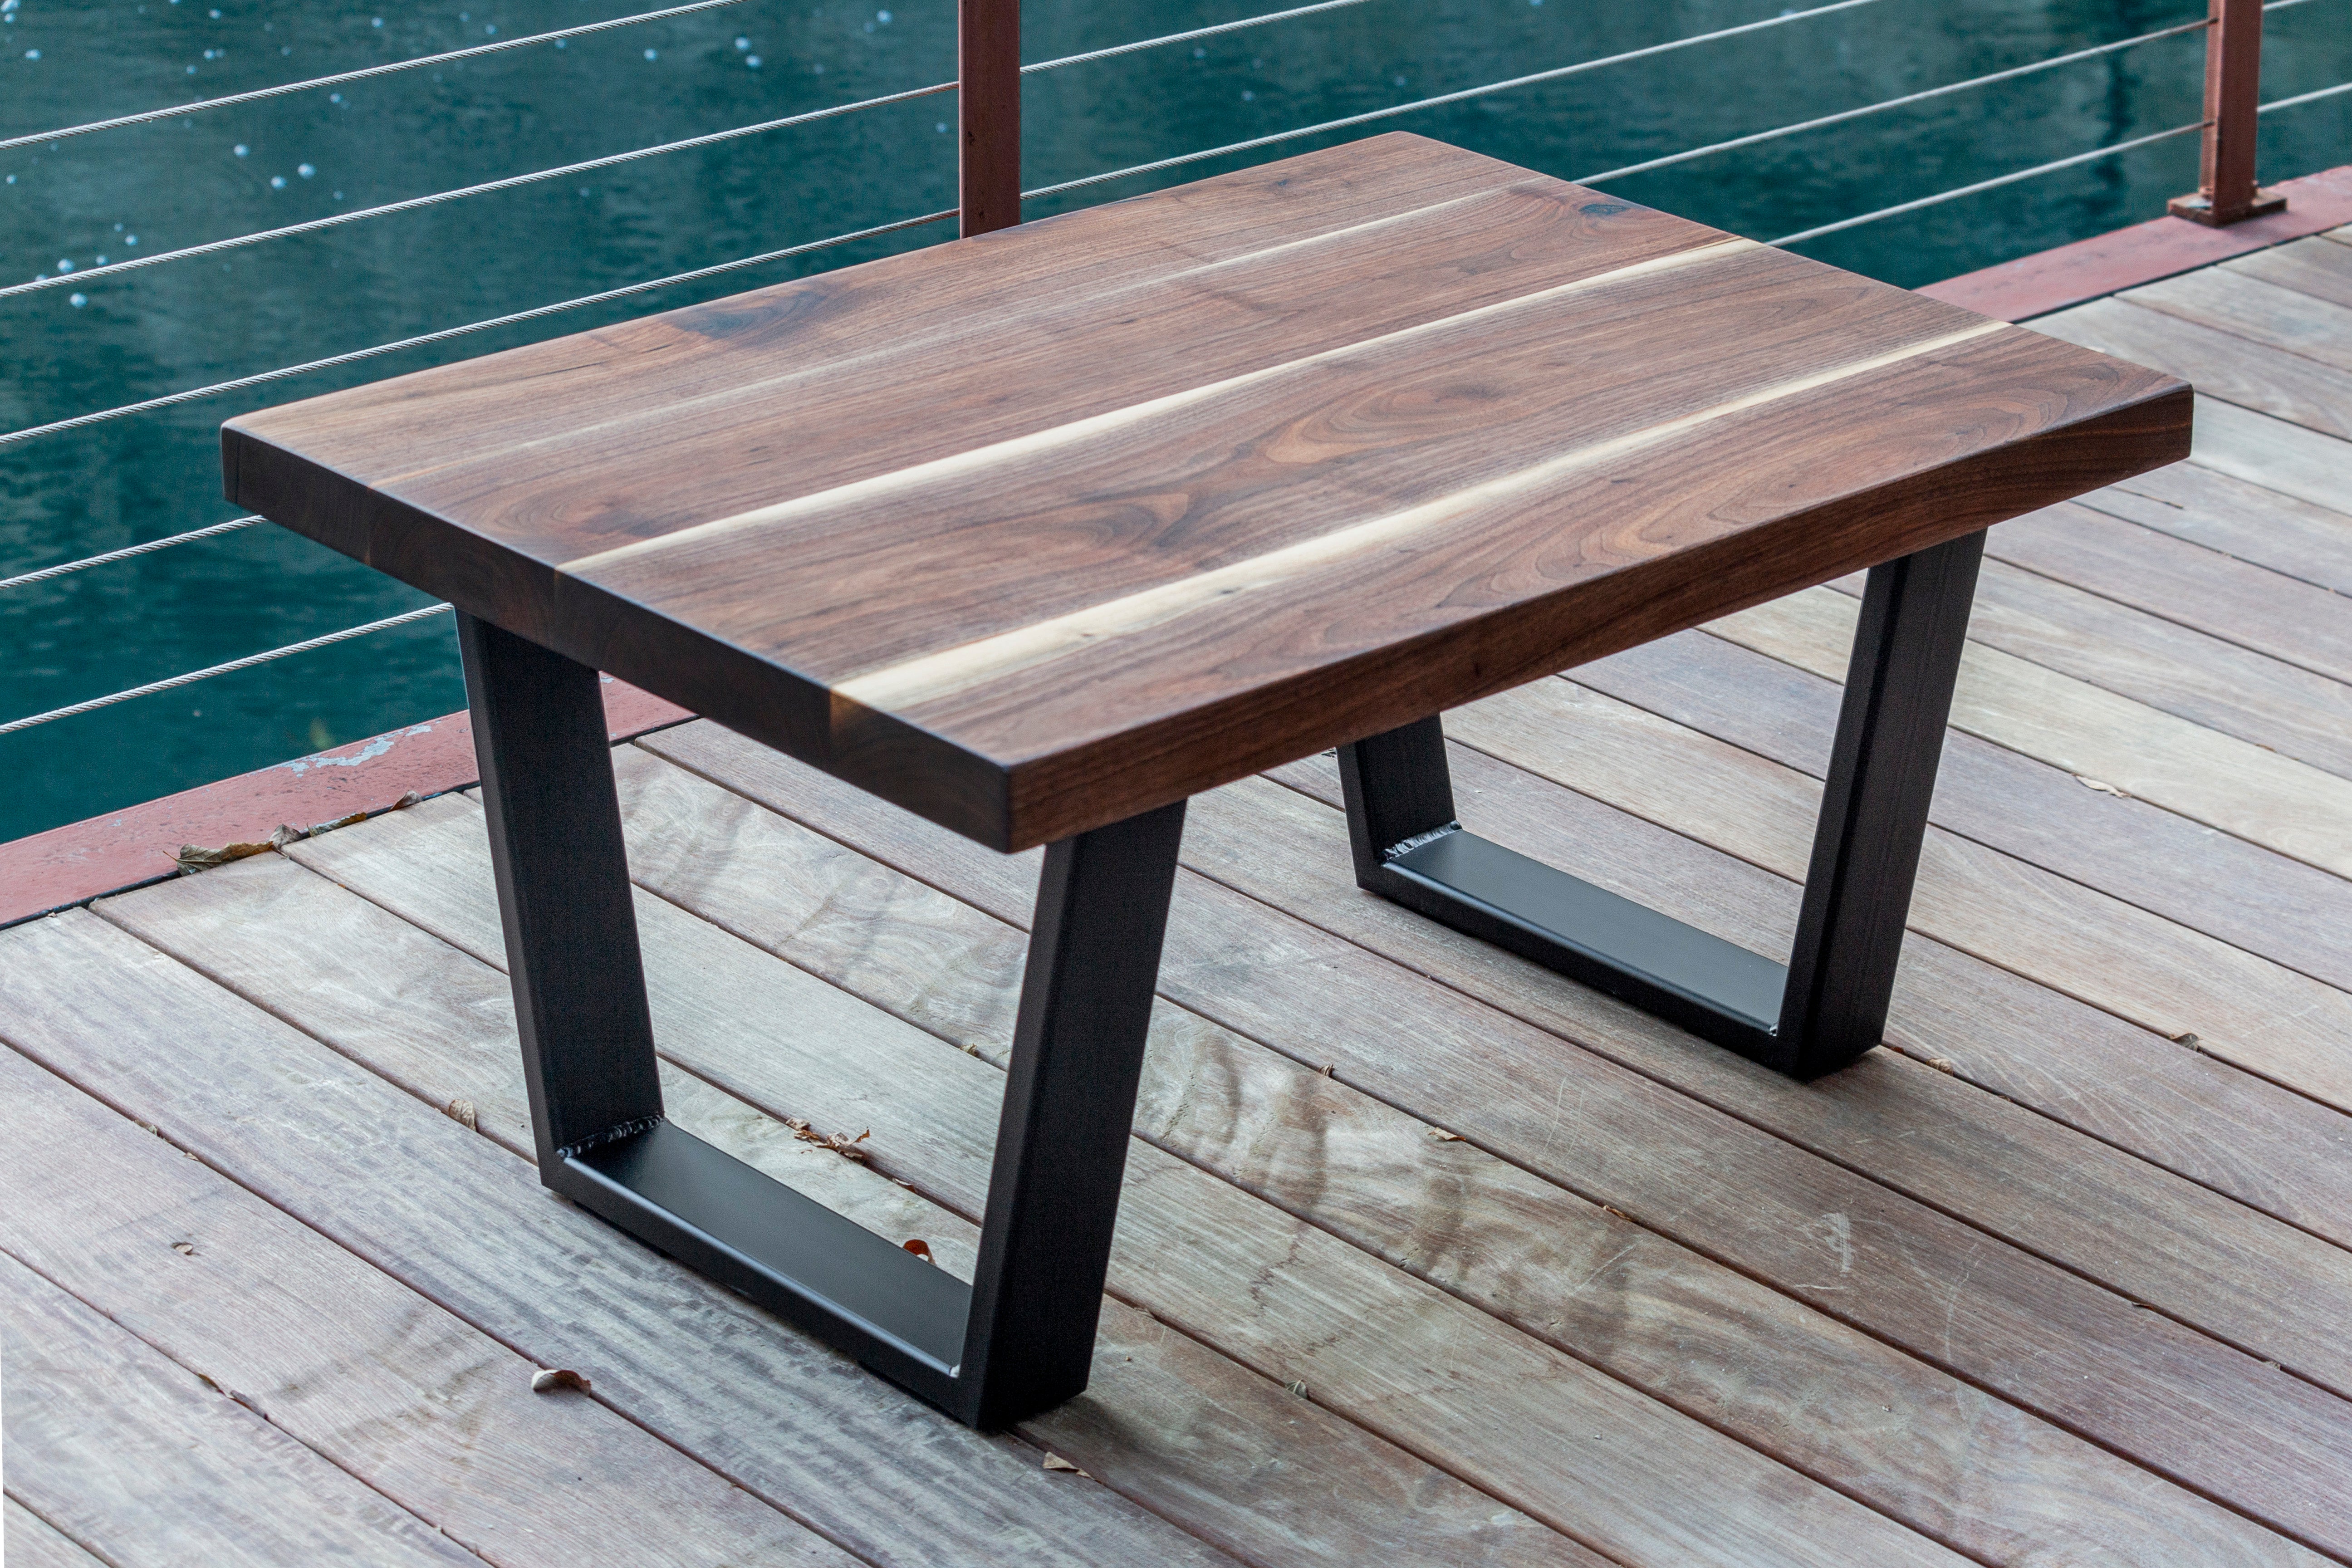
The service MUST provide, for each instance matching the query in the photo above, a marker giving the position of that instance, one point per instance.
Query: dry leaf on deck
(1056, 1462)
(547, 1380)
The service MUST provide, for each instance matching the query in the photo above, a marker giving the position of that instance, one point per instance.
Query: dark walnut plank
(1033, 531)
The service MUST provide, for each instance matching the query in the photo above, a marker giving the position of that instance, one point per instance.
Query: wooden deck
(1427, 1255)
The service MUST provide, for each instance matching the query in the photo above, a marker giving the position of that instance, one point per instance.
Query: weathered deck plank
(2186, 630)
(2241, 893)
(149, 1462)
(2166, 978)
(424, 1409)
(1977, 1472)
(1657, 1155)
(1170, 1257)
(32, 1542)
(2235, 786)
(2268, 527)
(2313, 267)
(2276, 454)
(384, 1174)
(1324, 1490)
(2219, 365)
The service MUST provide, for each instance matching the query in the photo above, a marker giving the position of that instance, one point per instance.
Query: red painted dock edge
(84, 860)
(124, 850)
(2090, 269)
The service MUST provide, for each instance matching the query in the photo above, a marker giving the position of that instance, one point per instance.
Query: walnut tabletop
(1033, 531)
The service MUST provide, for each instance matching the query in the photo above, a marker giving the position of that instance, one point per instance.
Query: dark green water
(208, 175)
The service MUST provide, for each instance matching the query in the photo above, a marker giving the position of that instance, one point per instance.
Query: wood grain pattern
(2153, 572)
(1258, 1284)
(149, 1462)
(30, 1541)
(2276, 453)
(1614, 1137)
(2223, 364)
(1131, 527)
(2248, 305)
(1164, 1415)
(2312, 266)
(1968, 1470)
(2268, 1148)
(381, 1174)
(2235, 786)
(2232, 647)
(420, 1407)
(2267, 528)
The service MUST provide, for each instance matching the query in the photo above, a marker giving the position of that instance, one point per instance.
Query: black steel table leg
(1017, 1341)
(1826, 1006)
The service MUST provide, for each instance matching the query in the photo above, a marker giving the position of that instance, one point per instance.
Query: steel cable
(1186, 38)
(258, 93)
(78, 421)
(2009, 179)
(46, 572)
(1910, 98)
(1556, 73)
(194, 675)
(510, 183)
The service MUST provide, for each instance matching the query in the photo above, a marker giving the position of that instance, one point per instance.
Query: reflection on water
(80, 203)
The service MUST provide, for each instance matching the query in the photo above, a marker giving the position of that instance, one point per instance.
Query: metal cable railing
(1995, 182)
(46, 572)
(420, 340)
(1795, 128)
(1884, 105)
(86, 276)
(247, 662)
(1555, 74)
(340, 77)
(83, 277)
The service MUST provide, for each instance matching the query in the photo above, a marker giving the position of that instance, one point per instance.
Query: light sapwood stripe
(954, 337)
(904, 686)
(961, 463)
(2241, 788)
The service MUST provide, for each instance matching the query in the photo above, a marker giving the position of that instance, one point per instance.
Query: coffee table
(1041, 532)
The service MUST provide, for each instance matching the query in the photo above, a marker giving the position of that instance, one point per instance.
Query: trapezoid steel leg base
(1828, 1003)
(1018, 1340)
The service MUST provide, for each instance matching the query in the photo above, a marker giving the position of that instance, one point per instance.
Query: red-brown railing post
(2233, 75)
(988, 107)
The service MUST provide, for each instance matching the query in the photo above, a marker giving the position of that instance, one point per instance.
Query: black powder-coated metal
(1828, 1004)
(1021, 1338)
(564, 889)
(1881, 779)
